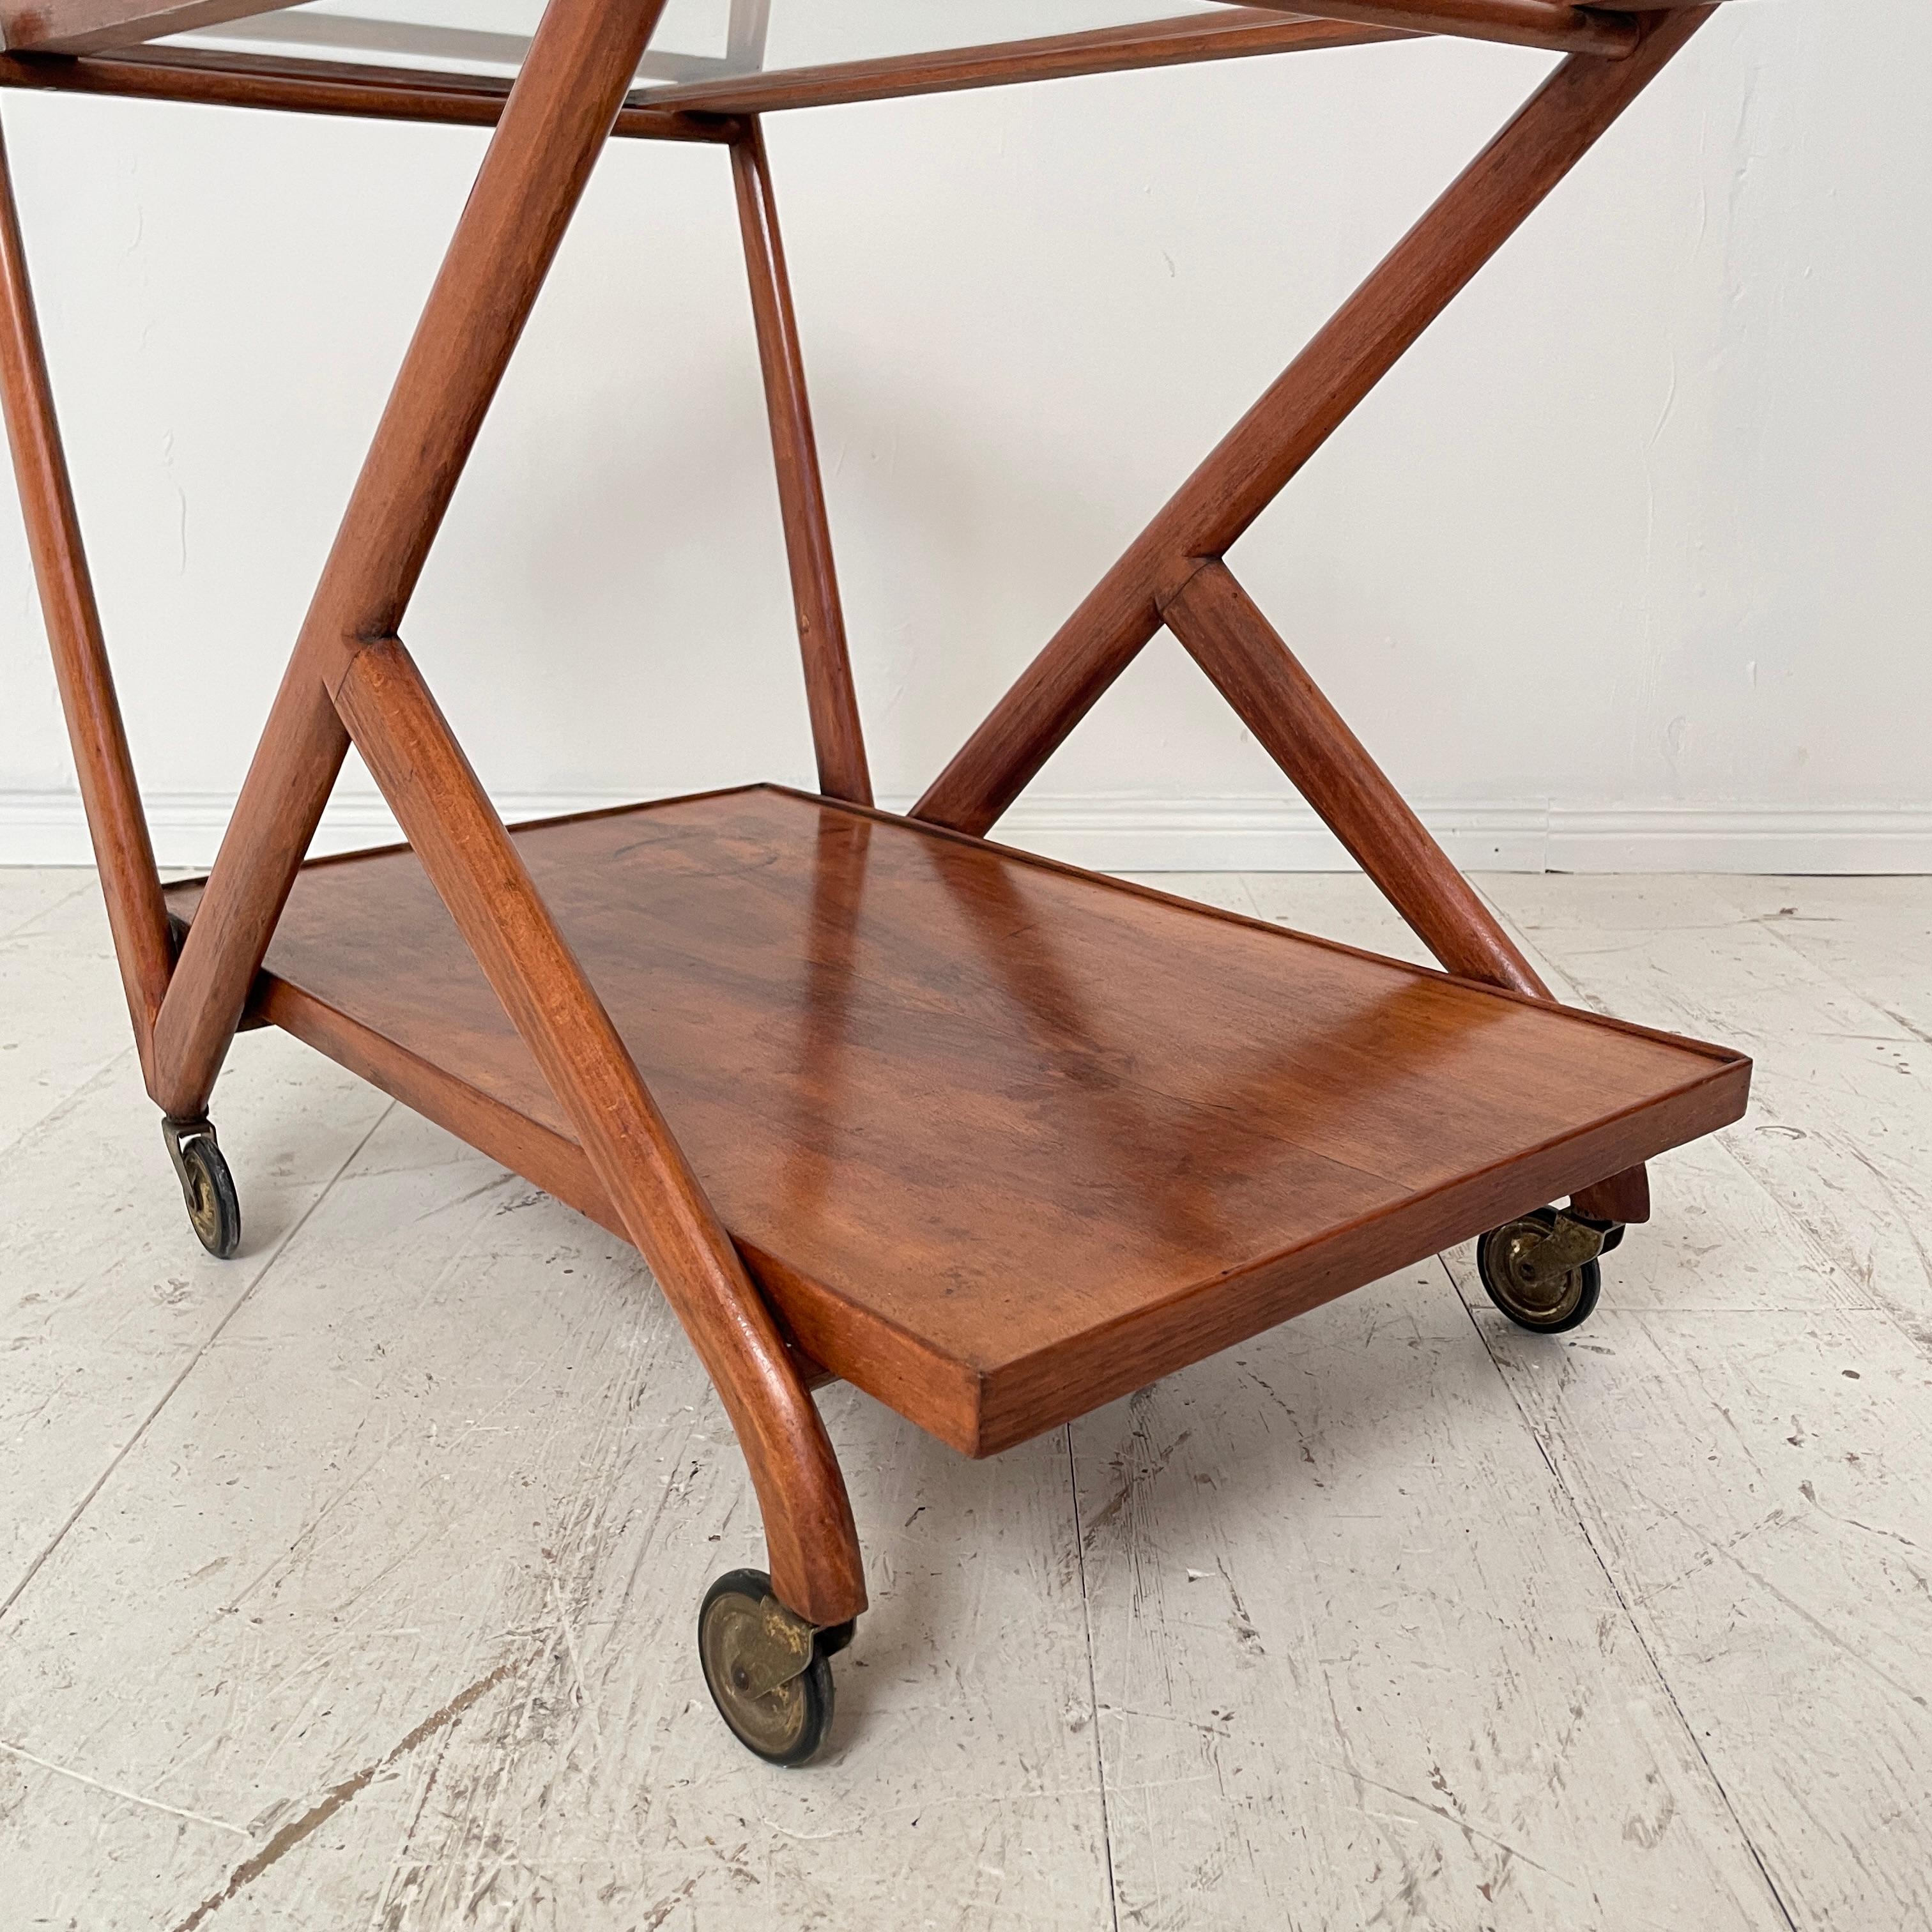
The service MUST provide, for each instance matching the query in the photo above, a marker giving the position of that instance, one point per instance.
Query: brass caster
(1541, 1270)
(213, 1211)
(769, 1672)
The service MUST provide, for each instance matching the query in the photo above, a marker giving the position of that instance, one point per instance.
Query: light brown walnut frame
(350, 679)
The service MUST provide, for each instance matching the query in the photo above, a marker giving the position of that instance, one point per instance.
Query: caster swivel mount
(769, 1671)
(1541, 1269)
(213, 1209)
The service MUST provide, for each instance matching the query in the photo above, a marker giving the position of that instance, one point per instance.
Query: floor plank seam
(1806, 1236)
(1650, 1657)
(1921, 1343)
(117, 1791)
(1093, 1685)
(235, 1308)
(1774, 927)
(61, 1107)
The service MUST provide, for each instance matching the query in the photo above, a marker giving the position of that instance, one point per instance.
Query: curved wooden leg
(471, 859)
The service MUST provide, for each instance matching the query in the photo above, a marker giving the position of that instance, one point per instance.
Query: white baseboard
(1768, 839)
(1113, 833)
(1274, 835)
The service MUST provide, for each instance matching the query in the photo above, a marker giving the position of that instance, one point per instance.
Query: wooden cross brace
(1172, 574)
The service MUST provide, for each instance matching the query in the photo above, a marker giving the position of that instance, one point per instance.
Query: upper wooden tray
(1001, 1140)
(694, 41)
(748, 56)
(712, 63)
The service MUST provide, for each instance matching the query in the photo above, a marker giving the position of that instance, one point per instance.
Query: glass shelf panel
(696, 39)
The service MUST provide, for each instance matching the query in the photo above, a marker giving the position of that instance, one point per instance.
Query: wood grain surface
(1001, 1140)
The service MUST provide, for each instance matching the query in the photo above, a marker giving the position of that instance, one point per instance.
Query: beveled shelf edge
(981, 1410)
(1027, 1398)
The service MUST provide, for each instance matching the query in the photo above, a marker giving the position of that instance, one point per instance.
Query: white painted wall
(1625, 564)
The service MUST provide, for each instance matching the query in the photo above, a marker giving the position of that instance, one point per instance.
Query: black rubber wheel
(784, 1727)
(213, 1210)
(1504, 1259)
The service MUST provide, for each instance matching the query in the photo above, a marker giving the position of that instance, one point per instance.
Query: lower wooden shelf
(1000, 1140)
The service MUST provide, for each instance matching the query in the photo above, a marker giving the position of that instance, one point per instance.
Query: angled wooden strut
(1163, 576)
(115, 820)
(1305, 406)
(349, 669)
(836, 733)
(1554, 24)
(1227, 635)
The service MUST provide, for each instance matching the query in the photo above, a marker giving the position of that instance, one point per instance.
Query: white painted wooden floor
(349, 1585)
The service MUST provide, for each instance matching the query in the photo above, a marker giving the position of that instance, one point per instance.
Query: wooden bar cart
(993, 1139)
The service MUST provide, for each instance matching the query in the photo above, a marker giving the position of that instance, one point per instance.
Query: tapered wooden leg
(289, 778)
(473, 864)
(835, 732)
(1307, 404)
(1228, 636)
(116, 822)
(554, 127)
